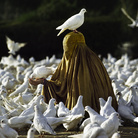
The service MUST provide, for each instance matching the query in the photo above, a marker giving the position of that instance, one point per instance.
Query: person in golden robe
(80, 72)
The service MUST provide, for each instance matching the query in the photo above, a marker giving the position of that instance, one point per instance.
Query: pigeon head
(4, 121)
(133, 88)
(32, 130)
(102, 101)
(83, 11)
(53, 100)
(87, 108)
(114, 114)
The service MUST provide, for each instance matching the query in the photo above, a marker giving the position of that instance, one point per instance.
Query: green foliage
(34, 22)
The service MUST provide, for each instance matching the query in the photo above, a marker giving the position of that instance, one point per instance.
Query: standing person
(80, 72)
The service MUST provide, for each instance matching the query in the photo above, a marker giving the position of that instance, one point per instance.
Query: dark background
(35, 21)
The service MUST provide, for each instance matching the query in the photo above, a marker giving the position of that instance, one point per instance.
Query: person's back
(80, 72)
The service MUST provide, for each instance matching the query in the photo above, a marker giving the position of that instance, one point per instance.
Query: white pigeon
(134, 90)
(15, 112)
(131, 78)
(40, 123)
(18, 99)
(13, 46)
(19, 77)
(78, 108)
(102, 102)
(134, 22)
(8, 132)
(56, 121)
(30, 109)
(94, 116)
(27, 97)
(20, 89)
(73, 22)
(51, 110)
(107, 109)
(32, 60)
(9, 82)
(62, 110)
(124, 108)
(42, 72)
(42, 105)
(3, 91)
(20, 121)
(93, 130)
(31, 132)
(111, 125)
(74, 122)
(39, 89)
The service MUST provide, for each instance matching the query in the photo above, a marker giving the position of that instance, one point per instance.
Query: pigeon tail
(22, 44)
(59, 27)
(62, 30)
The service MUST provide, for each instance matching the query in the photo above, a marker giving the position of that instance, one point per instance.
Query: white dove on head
(73, 22)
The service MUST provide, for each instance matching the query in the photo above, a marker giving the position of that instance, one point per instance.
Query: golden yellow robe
(80, 72)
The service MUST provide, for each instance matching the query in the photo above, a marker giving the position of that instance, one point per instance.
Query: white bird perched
(111, 125)
(51, 110)
(13, 46)
(94, 116)
(39, 89)
(32, 60)
(93, 130)
(31, 132)
(20, 89)
(73, 22)
(27, 97)
(134, 22)
(42, 105)
(78, 108)
(18, 99)
(107, 109)
(73, 123)
(124, 108)
(40, 122)
(8, 132)
(42, 72)
(131, 78)
(9, 82)
(30, 109)
(3, 91)
(62, 110)
(20, 121)
(134, 90)
(56, 121)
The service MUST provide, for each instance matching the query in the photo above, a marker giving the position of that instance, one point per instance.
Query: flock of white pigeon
(22, 105)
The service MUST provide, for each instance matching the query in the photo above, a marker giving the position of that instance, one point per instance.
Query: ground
(127, 131)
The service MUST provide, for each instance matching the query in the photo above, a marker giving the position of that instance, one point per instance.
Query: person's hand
(36, 81)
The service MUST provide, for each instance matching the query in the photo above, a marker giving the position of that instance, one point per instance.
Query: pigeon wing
(125, 13)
